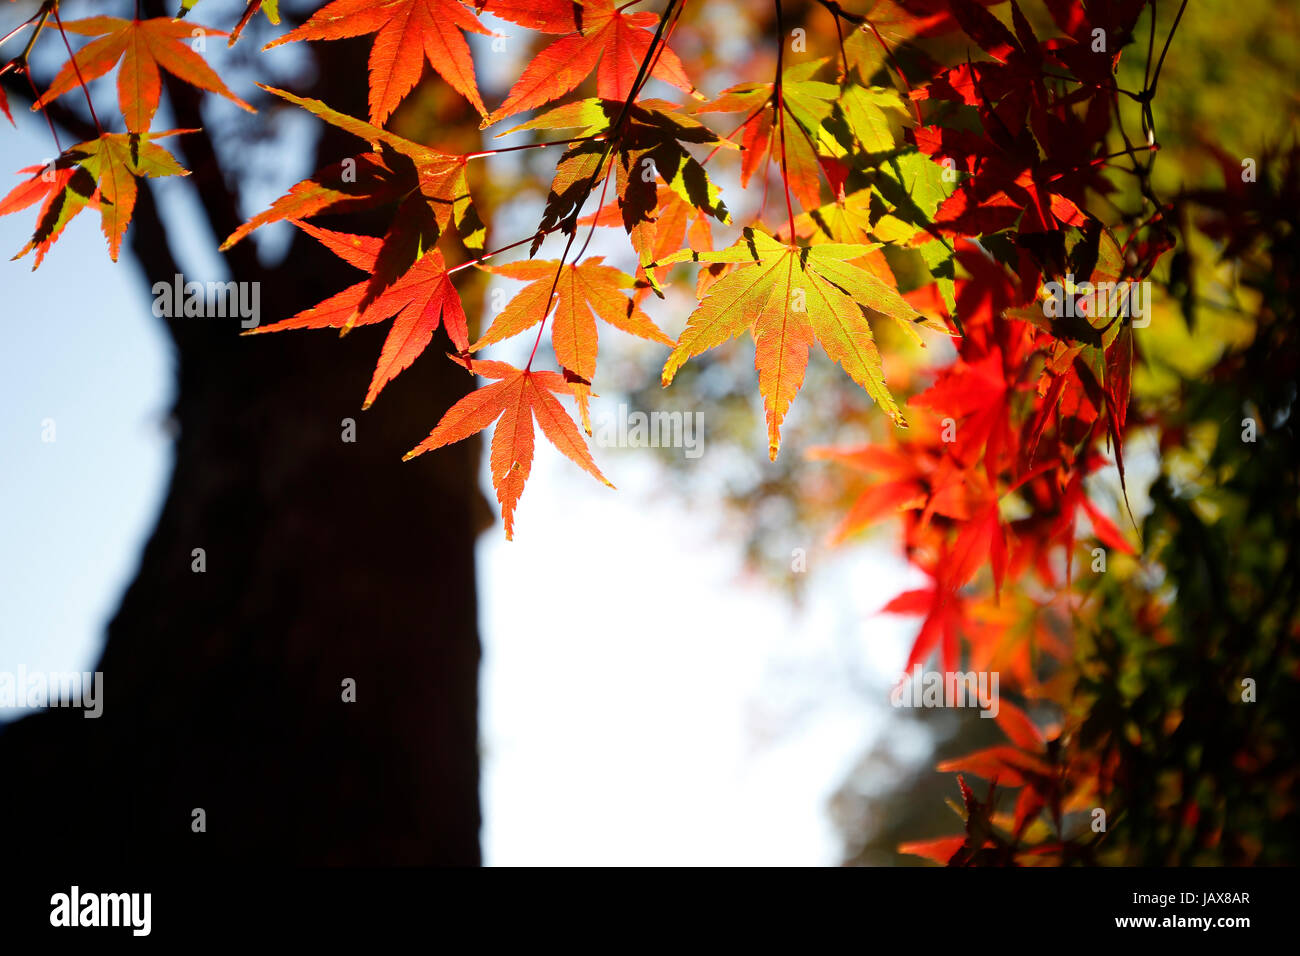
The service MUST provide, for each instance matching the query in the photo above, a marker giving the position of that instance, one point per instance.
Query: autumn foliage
(934, 166)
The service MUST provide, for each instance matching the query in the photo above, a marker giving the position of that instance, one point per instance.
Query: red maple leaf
(422, 299)
(143, 46)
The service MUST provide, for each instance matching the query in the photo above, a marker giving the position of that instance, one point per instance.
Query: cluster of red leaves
(1031, 404)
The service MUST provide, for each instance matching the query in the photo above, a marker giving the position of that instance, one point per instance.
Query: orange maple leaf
(603, 35)
(517, 399)
(98, 174)
(143, 46)
(579, 293)
(406, 32)
(65, 191)
(583, 291)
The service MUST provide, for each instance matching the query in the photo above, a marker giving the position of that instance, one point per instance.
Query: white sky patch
(641, 704)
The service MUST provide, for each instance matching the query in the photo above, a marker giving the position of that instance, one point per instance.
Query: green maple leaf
(646, 148)
(790, 296)
(102, 173)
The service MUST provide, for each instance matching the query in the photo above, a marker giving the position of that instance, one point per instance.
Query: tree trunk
(327, 561)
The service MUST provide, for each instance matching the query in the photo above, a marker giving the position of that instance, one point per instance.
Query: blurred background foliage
(1161, 643)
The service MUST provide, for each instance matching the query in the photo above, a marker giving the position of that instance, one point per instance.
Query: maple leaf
(944, 613)
(1016, 69)
(790, 296)
(406, 33)
(1099, 343)
(334, 312)
(900, 19)
(912, 476)
(546, 16)
(976, 395)
(421, 299)
(981, 843)
(647, 149)
(1006, 186)
(824, 122)
(807, 104)
(397, 168)
(100, 173)
(1007, 765)
(519, 398)
(662, 232)
(1027, 765)
(117, 160)
(66, 190)
(582, 292)
(408, 275)
(356, 183)
(939, 850)
(144, 47)
(980, 540)
(579, 291)
(619, 42)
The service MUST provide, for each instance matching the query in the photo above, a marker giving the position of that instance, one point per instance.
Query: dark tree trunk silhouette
(325, 560)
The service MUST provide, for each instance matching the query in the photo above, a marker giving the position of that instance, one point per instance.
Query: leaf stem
(43, 13)
(48, 118)
(510, 149)
(1151, 91)
(249, 11)
(916, 106)
(780, 114)
(21, 64)
(839, 36)
(72, 58)
(508, 246)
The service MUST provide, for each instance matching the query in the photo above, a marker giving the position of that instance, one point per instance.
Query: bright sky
(79, 353)
(641, 704)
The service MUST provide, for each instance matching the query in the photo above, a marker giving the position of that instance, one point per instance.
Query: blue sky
(78, 349)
